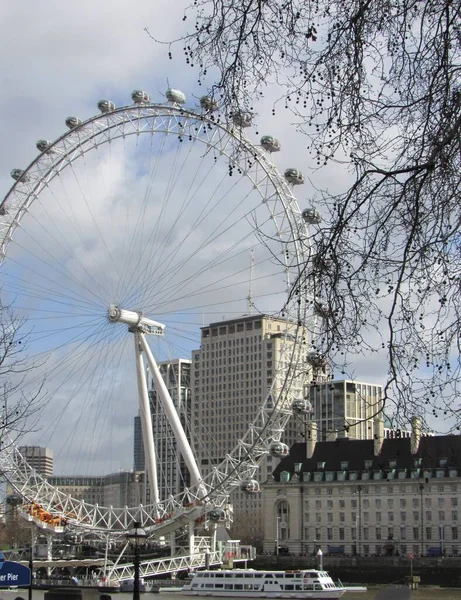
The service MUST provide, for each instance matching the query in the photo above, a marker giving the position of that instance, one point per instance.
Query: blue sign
(13, 574)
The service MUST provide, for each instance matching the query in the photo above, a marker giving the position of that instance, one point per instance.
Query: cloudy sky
(58, 59)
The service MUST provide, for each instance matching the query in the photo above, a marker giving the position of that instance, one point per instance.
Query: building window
(341, 533)
(454, 533)
(416, 533)
(329, 534)
(378, 533)
(428, 533)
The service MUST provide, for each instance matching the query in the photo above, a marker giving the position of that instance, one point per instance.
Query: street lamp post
(277, 535)
(134, 535)
(421, 489)
(359, 521)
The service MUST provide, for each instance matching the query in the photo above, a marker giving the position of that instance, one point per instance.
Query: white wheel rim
(282, 212)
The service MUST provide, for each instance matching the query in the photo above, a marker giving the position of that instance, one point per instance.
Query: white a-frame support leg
(146, 421)
(173, 419)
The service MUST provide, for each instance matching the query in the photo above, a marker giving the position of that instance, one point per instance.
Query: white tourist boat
(250, 583)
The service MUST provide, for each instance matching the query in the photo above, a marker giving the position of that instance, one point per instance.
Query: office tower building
(346, 408)
(39, 458)
(239, 363)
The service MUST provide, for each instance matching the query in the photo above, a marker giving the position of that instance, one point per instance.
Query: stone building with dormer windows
(387, 496)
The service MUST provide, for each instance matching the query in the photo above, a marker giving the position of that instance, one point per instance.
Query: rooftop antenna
(250, 290)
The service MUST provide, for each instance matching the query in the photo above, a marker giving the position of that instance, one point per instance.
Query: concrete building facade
(239, 363)
(39, 458)
(346, 408)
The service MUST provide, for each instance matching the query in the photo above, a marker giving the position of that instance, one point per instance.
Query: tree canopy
(374, 86)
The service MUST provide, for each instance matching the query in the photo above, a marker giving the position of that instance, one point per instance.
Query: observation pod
(279, 449)
(270, 143)
(217, 514)
(175, 96)
(294, 176)
(106, 106)
(19, 175)
(140, 97)
(242, 119)
(73, 122)
(208, 103)
(43, 145)
(301, 406)
(311, 216)
(250, 486)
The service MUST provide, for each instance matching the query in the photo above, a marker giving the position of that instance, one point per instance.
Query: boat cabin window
(317, 586)
(309, 586)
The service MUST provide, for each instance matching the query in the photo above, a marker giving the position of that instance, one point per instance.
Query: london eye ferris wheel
(117, 243)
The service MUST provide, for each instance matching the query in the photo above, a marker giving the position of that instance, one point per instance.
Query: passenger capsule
(140, 97)
(242, 119)
(3, 210)
(217, 514)
(43, 145)
(311, 216)
(250, 486)
(270, 143)
(106, 106)
(175, 96)
(294, 176)
(208, 104)
(73, 122)
(301, 406)
(19, 175)
(278, 449)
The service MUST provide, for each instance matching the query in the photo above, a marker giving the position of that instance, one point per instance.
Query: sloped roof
(355, 452)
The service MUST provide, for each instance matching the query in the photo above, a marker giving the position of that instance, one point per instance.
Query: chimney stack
(331, 436)
(379, 435)
(311, 438)
(415, 434)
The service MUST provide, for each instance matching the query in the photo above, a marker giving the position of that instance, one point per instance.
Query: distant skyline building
(39, 458)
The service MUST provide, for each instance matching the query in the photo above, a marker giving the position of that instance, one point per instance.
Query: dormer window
(392, 463)
(344, 464)
(297, 467)
(443, 462)
(320, 465)
(368, 464)
(417, 462)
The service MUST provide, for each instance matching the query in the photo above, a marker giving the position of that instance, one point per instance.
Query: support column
(146, 420)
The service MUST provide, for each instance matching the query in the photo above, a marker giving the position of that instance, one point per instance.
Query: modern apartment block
(39, 458)
(172, 474)
(239, 362)
(387, 496)
(345, 408)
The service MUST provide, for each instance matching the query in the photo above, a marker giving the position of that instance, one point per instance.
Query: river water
(424, 593)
